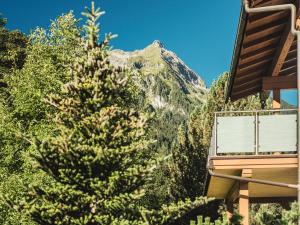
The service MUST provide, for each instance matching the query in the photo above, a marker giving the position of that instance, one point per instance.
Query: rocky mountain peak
(157, 43)
(155, 59)
(167, 81)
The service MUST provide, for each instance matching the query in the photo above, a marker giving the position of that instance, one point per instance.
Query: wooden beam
(276, 103)
(263, 33)
(245, 93)
(279, 82)
(244, 202)
(248, 67)
(243, 86)
(244, 197)
(262, 44)
(267, 19)
(233, 194)
(256, 57)
(261, 162)
(246, 77)
(285, 44)
(247, 173)
(273, 2)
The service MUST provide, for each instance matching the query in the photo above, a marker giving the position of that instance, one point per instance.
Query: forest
(80, 143)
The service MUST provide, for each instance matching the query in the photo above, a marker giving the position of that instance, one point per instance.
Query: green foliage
(235, 220)
(174, 213)
(12, 50)
(290, 217)
(266, 214)
(274, 214)
(23, 113)
(97, 155)
(207, 221)
(188, 167)
(48, 60)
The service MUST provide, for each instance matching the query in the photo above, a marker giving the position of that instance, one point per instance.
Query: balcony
(263, 142)
(262, 132)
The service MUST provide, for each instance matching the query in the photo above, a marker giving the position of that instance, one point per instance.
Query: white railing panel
(278, 133)
(236, 134)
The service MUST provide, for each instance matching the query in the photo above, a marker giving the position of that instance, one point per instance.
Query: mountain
(168, 87)
(164, 75)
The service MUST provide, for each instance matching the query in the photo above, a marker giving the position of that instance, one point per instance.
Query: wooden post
(276, 99)
(244, 197)
(244, 202)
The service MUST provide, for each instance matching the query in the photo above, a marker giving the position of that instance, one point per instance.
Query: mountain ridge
(150, 53)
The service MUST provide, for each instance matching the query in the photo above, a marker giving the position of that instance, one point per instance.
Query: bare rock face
(168, 82)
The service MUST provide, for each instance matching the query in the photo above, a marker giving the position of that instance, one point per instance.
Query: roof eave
(236, 51)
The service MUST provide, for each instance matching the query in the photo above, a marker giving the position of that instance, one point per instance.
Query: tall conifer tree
(188, 168)
(97, 159)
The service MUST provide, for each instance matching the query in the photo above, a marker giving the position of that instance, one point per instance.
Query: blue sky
(201, 33)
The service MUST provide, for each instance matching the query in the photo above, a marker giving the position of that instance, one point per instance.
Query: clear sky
(201, 33)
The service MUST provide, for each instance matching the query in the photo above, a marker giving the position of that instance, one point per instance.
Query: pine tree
(97, 160)
(188, 167)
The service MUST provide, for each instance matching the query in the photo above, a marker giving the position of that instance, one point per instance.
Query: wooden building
(248, 148)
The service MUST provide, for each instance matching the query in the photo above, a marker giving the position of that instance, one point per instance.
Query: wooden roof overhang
(265, 53)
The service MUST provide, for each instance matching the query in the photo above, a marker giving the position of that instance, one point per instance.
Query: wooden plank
(258, 52)
(265, 20)
(258, 64)
(245, 93)
(279, 82)
(252, 162)
(247, 90)
(288, 71)
(285, 44)
(289, 63)
(247, 173)
(264, 32)
(275, 2)
(241, 78)
(265, 43)
(244, 85)
(235, 157)
(262, 166)
(256, 82)
(291, 55)
(233, 193)
(281, 53)
(259, 55)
